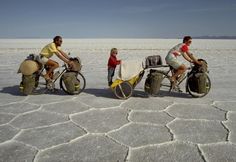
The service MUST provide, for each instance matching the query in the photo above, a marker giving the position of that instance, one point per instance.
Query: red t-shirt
(184, 48)
(179, 49)
(112, 62)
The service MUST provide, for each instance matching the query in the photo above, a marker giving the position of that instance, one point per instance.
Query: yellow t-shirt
(49, 50)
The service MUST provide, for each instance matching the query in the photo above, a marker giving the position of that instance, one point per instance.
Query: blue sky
(116, 18)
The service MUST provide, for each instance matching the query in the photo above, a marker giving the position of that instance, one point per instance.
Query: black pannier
(153, 82)
(198, 81)
(153, 61)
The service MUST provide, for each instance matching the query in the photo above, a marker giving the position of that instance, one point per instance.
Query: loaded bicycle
(158, 80)
(198, 83)
(71, 81)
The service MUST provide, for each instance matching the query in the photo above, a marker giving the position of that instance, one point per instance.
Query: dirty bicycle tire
(81, 79)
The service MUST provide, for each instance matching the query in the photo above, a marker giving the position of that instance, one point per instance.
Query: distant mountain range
(215, 37)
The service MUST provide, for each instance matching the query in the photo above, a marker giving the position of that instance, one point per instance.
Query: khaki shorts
(173, 62)
(42, 59)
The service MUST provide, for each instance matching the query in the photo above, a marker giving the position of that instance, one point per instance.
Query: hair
(186, 39)
(112, 50)
(56, 38)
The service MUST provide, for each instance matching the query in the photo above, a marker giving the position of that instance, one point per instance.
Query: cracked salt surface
(95, 126)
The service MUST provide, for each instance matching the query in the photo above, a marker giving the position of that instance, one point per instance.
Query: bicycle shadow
(107, 93)
(12, 90)
(174, 94)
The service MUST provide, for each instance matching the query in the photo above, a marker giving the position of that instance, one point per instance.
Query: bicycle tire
(81, 79)
(196, 94)
(123, 90)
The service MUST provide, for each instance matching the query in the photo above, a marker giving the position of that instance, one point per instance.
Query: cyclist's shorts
(173, 62)
(42, 59)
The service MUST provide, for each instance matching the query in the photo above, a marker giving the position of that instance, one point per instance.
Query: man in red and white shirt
(181, 49)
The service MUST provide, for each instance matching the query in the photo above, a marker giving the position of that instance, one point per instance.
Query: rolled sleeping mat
(28, 67)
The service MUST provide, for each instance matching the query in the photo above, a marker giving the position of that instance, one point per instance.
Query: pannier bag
(28, 84)
(201, 82)
(197, 83)
(153, 61)
(77, 64)
(203, 68)
(153, 82)
(28, 67)
(72, 84)
(192, 83)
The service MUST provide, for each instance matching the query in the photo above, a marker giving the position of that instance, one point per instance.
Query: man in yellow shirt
(48, 51)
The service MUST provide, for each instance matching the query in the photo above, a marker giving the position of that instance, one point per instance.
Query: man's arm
(64, 54)
(62, 57)
(186, 56)
(194, 59)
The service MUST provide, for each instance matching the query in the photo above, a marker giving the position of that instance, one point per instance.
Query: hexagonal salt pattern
(14, 151)
(99, 121)
(198, 131)
(231, 116)
(89, 148)
(154, 104)
(150, 117)
(226, 105)
(5, 118)
(37, 119)
(46, 98)
(18, 108)
(7, 98)
(170, 151)
(96, 126)
(232, 131)
(68, 107)
(188, 111)
(99, 102)
(219, 152)
(49, 136)
(136, 135)
(7, 132)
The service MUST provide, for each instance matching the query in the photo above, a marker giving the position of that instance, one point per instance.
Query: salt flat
(95, 126)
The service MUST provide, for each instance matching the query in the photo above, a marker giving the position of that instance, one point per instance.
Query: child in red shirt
(112, 62)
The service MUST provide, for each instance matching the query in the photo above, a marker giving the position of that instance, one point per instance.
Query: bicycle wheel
(123, 90)
(80, 84)
(197, 94)
(165, 84)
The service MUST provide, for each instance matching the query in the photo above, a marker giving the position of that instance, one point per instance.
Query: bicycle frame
(51, 87)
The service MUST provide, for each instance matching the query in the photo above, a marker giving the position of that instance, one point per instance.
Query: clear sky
(116, 18)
